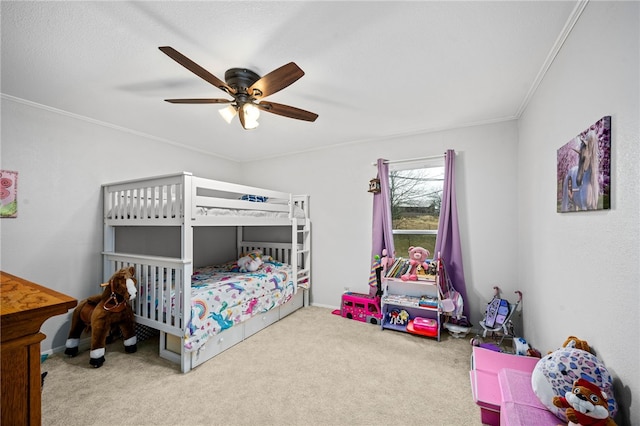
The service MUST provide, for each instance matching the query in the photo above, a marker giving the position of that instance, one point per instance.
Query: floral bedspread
(222, 297)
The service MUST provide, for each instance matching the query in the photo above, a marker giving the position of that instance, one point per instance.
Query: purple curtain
(448, 239)
(382, 226)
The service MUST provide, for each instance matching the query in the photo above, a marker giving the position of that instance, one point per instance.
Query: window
(416, 196)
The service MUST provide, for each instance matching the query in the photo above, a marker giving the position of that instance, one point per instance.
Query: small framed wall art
(584, 170)
(8, 193)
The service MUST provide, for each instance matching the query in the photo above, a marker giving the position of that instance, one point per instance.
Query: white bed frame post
(294, 250)
(109, 237)
(306, 252)
(302, 239)
(239, 240)
(188, 192)
(186, 256)
(187, 229)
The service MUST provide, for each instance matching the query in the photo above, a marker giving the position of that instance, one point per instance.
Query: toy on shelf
(398, 317)
(360, 307)
(417, 257)
(427, 301)
(423, 326)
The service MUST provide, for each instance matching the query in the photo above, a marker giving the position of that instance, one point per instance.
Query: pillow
(278, 201)
(255, 198)
(555, 373)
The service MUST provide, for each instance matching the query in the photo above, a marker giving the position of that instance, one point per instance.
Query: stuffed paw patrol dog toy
(586, 404)
(102, 313)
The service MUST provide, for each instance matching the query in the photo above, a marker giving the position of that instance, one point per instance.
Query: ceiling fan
(247, 90)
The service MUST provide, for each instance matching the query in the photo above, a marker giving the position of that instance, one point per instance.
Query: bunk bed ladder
(302, 236)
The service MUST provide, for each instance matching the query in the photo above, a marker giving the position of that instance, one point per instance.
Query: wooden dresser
(24, 307)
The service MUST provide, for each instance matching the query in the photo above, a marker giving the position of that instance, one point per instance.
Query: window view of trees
(416, 197)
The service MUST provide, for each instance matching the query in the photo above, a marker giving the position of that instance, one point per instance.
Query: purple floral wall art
(584, 170)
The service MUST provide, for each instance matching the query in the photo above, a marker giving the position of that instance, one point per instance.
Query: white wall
(341, 208)
(56, 240)
(581, 270)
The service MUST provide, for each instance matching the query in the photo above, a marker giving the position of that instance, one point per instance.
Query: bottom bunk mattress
(222, 296)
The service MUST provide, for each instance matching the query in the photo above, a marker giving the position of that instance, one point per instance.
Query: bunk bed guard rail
(167, 200)
(164, 289)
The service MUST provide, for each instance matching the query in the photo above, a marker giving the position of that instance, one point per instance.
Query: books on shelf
(411, 301)
(428, 301)
(399, 267)
(401, 299)
(402, 266)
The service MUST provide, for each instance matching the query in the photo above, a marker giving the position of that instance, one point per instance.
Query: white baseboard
(85, 344)
(320, 305)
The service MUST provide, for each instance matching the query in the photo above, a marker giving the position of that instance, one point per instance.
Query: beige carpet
(311, 368)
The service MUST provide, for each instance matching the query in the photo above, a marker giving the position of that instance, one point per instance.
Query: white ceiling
(374, 70)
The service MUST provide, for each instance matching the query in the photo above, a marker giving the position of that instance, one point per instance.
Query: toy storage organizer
(181, 200)
(411, 306)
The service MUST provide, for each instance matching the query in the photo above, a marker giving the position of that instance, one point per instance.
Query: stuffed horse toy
(102, 313)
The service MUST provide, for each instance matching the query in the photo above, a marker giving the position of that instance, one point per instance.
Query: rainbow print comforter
(221, 298)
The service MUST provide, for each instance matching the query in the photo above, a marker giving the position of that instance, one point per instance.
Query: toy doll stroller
(498, 315)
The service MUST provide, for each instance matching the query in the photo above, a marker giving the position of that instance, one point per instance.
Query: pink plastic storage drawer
(425, 324)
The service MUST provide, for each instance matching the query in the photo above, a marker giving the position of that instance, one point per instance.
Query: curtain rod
(410, 160)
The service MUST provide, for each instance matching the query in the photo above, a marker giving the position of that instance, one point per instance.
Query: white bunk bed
(181, 200)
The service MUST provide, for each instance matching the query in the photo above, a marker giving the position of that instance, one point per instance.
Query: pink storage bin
(425, 324)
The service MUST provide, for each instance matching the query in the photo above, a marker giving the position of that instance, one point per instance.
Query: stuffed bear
(102, 313)
(250, 262)
(586, 404)
(417, 257)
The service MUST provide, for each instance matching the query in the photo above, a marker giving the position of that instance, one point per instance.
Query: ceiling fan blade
(287, 111)
(199, 101)
(195, 68)
(276, 80)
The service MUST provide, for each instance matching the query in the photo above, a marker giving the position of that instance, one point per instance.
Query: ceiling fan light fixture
(228, 113)
(251, 115)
